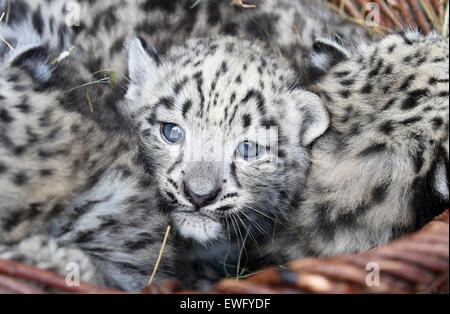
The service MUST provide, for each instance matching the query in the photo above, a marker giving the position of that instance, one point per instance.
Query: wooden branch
(12, 285)
(418, 263)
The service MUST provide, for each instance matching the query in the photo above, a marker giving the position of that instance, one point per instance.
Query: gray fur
(79, 185)
(70, 200)
(382, 168)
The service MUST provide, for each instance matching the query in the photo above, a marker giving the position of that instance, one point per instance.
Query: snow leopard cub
(199, 112)
(73, 187)
(382, 168)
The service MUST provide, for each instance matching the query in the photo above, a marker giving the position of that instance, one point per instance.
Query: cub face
(225, 132)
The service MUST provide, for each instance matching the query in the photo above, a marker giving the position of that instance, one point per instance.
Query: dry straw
(161, 251)
(1, 37)
(426, 15)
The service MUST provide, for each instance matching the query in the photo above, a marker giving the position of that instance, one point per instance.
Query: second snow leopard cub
(260, 93)
(381, 170)
(196, 111)
(72, 188)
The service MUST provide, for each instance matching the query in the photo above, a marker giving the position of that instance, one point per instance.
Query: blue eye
(250, 150)
(172, 132)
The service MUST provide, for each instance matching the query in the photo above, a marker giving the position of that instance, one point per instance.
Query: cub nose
(203, 200)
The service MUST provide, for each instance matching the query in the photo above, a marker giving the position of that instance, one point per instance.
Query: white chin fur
(199, 228)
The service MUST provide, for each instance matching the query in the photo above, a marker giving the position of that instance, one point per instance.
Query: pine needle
(160, 256)
(446, 19)
(342, 8)
(103, 80)
(196, 3)
(241, 4)
(112, 77)
(1, 37)
(8, 11)
(7, 43)
(90, 102)
(102, 71)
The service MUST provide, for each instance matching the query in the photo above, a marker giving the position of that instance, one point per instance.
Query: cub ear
(326, 53)
(314, 116)
(143, 60)
(35, 62)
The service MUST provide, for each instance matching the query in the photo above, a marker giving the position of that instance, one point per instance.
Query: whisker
(247, 229)
(258, 226)
(238, 229)
(265, 215)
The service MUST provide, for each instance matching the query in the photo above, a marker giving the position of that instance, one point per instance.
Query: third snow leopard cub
(381, 170)
(226, 132)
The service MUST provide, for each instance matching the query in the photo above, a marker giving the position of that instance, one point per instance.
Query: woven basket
(417, 263)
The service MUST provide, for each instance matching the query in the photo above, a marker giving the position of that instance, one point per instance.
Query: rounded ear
(35, 62)
(326, 53)
(314, 116)
(143, 60)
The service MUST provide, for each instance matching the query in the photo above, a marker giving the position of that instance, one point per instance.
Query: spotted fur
(220, 90)
(378, 121)
(73, 187)
(382, 169)
(284, 28)
(196, 87)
